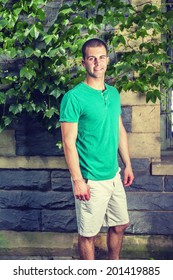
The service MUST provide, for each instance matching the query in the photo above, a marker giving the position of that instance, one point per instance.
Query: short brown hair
(95, 42)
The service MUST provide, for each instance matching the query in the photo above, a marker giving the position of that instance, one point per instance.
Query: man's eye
(91, 58)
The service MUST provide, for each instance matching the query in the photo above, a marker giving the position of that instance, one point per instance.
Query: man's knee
(86, 239)
(119, 229)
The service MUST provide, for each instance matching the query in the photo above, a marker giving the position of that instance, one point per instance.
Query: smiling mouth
(100, 69)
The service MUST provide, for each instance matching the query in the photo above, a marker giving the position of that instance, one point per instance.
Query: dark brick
(36, 200)
(61, 181)
(141, 165)
(59, 220)
(168, 184)
(17, 220)
(25, 179)
(150, 201)
(147, 183)
(151, 223)
(127, 118)
(33, 139)
(143, 181)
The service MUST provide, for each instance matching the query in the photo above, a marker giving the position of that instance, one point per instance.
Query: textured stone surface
(59, 220)
(146, 119)
(168, 184)
(61, 181)
(7, 143)
(36, 200)
(144, 145)
(33, 139)
(151, 222)
(127, 117)
(150, 201)
(143, 180)
(25, 179)
(130, 98)
(54, 246)
(19, 220)
(33, 162)
(162, 167)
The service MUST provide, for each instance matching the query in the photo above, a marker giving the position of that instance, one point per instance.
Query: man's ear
(83, 63)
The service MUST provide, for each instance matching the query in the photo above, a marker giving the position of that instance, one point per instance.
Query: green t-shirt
(97, 114)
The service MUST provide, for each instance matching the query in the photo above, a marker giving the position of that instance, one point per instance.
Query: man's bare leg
(114, 241)
(86, 247)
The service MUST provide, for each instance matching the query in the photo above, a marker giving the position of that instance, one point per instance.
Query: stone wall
(36, 196)
(35, 187)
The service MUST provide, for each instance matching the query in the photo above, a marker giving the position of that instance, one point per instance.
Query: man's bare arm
(69, 135)
(124, 152)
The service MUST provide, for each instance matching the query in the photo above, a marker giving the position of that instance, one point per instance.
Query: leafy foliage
(38, 62)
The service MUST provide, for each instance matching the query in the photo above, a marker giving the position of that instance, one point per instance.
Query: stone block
(139, 164)
(61, 181)
(7, 143)
(144, 181)
(146, 119)
(168, 184)
(149, 222)
(130, 98)
(33, 162)
(144, 145)
(150, 202)
(127, 118)
(33, 139)
(139, 247)
(25, 179)
(59, 220)
(162, 166)
(19, 220)
(30, 245)
(51, 11)
(141, 3)
(36, 200)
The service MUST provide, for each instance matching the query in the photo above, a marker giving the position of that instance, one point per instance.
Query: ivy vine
(40, 62)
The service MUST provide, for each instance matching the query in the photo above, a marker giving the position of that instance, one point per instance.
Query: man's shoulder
(72, 94)
(112, 88)
(75, 90)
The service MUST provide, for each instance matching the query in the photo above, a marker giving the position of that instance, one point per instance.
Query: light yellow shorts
(107, 207)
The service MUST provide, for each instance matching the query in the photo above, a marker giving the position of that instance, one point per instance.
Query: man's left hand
(128, 176)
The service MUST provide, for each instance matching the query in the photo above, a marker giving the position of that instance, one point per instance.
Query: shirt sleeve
(69, 108)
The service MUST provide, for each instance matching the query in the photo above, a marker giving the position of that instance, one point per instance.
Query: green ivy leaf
(15, 108)
(56, 93)
(28, 73)
(34, 32)
(28, 51)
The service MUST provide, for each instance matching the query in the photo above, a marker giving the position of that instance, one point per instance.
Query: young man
(92, 133)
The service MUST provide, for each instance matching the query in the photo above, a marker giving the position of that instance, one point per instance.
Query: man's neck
(98, 84)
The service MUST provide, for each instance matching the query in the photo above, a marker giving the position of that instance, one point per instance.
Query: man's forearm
(123, 147)
(72, 159)
(124, 152)
(81, 189)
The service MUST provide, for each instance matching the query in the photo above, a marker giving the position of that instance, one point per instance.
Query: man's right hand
(81, 190)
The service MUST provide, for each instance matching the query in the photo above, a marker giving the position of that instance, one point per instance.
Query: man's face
(95, 61)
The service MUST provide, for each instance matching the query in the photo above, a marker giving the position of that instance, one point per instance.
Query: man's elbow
(68, 143)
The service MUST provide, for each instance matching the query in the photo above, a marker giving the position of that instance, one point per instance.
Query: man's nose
(97, 61)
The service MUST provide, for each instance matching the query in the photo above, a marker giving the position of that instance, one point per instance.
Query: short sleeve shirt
(97, 114)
